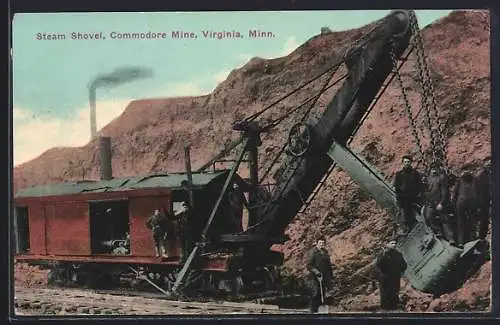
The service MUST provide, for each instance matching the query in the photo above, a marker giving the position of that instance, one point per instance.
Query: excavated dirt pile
(149, 137)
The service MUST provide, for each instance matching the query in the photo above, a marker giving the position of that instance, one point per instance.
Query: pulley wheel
(299, 139)
(399, 22)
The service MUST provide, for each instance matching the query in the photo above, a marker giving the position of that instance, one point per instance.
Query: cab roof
(171, 181)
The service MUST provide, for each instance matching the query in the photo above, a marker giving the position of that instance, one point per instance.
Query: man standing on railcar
(157, 223)
(182, 216)
(237, 202)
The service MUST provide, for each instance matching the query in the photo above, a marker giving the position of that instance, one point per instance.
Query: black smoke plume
(117, 77)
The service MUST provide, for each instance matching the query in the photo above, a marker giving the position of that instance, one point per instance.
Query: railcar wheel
(52, 278)
(74, 276)
(98, 279)
(269, 278)
(59, 275)
(171, 277)
(238, 286)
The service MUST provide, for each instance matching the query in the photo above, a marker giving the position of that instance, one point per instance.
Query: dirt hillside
(149, 137)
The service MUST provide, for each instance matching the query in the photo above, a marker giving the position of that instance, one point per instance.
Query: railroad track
(65, 301)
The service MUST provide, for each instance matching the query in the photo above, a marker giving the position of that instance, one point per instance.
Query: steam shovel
(323, 308)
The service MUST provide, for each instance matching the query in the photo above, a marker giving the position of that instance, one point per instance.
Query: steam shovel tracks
(63, 301)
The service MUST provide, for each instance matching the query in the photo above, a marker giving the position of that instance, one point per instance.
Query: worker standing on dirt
(321, 274)
(409, 189)
(466, 203)
(157, 223)
(437, 205)
(389, 268)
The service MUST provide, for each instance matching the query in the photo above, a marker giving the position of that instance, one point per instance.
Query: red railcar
(80, 224)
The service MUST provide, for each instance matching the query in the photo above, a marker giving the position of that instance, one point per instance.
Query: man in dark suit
(320, 277)
(409, 189)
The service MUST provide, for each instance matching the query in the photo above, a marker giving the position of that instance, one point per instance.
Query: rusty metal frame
(187, 266)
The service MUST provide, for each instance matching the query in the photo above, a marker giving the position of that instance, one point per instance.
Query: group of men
(453, 208)
(165, 225)
(389, 267)
(161, 224)
(457, 209)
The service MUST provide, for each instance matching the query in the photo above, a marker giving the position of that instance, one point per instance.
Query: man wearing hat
(157, 223)
(466, 204)
(320, 277)
(438, 203)
(182, 217)
(409, 189)
(389, 268)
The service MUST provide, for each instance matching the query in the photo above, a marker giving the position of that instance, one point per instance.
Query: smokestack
(93, 123)
(105, 158)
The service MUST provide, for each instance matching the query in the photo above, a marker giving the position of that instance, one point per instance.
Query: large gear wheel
(299, 139)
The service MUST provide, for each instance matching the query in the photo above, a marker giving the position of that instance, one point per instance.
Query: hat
(409, 157)
(391, 244)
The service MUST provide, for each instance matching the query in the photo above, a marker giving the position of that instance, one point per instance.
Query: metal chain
(438, 141)
(408, 109)
(425, 67)
(424, 95)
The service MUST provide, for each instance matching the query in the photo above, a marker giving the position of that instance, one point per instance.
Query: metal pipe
(105, 158)
(93, 123)
(187, 265)
(187, 158)
(254, 177)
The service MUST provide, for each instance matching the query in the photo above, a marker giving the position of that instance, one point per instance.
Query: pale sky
(50, 77)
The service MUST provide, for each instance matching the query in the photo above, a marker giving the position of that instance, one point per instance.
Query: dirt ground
(29, 276)
(474, 296)
(65, 302)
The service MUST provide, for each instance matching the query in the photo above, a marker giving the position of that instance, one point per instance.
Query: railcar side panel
(36, 219)
(68, 229)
